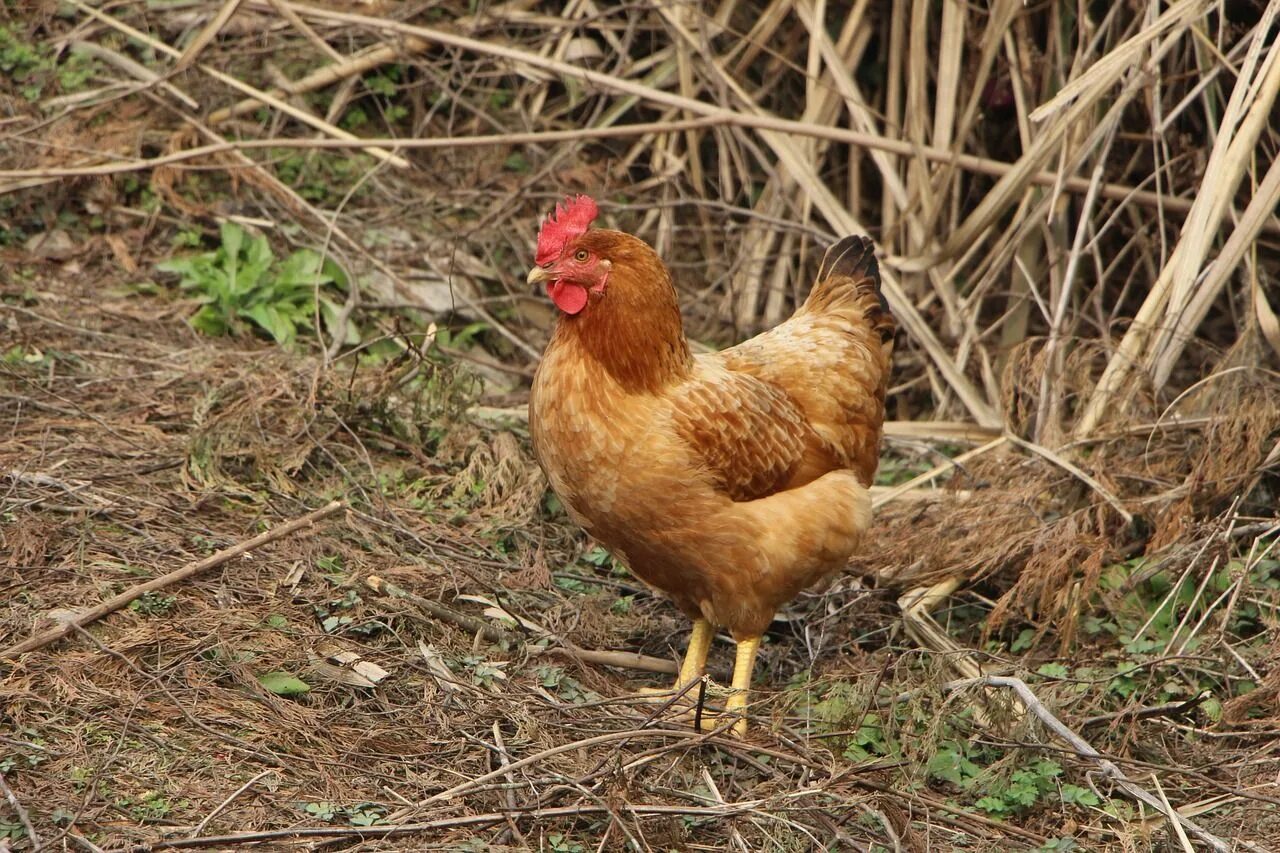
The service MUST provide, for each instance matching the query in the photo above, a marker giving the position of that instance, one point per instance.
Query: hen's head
(574, 262)
(615, 295)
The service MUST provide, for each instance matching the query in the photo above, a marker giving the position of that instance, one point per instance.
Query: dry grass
(1078, 233)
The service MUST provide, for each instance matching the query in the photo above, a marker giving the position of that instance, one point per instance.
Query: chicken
(729, 481)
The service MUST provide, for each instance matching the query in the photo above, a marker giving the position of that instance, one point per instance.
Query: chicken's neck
(634, 333)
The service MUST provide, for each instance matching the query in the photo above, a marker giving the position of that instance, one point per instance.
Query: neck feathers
(634, 332)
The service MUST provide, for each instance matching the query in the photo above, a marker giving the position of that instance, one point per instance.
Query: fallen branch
(899, 147)
(229, 800)
(1083, 748)
(443, 612)
(242, 87)
(1075, 471)
(133, 69)
(113, 604)
(898, 491)
(539, 137)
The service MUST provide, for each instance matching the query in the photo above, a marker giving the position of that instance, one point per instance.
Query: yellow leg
(742, 667)
(695, 658)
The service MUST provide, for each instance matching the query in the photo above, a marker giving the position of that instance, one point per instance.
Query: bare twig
(1077, 472)
(492, 633)
(371, 832)
(1169, 709)
(229, 800)
(25, 819)
(206, 35)
(244, 88)
(903, 149)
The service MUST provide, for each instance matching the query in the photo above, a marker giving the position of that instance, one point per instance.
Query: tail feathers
(851, 263)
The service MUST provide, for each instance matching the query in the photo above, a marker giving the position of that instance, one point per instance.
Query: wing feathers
(747, 434)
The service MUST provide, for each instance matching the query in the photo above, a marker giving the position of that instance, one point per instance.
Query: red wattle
(568, 297)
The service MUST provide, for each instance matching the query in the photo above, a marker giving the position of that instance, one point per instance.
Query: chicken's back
(831, 358)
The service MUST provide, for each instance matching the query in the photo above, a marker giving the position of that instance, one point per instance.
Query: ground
(219, 319)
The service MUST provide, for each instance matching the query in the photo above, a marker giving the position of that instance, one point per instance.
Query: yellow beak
(537, 275)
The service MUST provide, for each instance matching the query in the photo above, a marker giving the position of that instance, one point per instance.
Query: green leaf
(950, 765)
(1053, 670)
(284, 684)
(181, 266)
(257, 261)
(232, 237)
(1074, 794)
(303, 269)
(208, 321)
(275, 322)
(1023, 641)
(323, 809)
(993, 805)
(330, 312)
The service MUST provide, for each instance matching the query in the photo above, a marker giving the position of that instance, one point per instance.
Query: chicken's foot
(695, 660)
(695, 664)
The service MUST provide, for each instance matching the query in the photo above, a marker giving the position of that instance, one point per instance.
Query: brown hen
(729, 481)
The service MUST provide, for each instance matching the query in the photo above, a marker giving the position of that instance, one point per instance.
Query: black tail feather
(855, 258)
(852, 257)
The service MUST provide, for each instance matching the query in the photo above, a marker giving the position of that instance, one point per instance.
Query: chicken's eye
(581, 255)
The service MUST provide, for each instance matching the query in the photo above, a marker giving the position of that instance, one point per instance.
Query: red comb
(569, 220)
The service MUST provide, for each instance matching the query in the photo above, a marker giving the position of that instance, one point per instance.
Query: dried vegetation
(1076, 212)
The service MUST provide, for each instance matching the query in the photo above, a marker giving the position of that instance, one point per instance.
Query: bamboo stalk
(1222, 175)
(969, 162)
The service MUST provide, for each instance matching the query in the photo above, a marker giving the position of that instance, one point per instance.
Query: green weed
(241, 282)
(358, 814)
(33, 69)
(153, 604)
(325, 180)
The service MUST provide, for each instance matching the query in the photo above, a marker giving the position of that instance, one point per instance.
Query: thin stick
(310, 34)
(1177, 827)
(445, 613)
(342, 69)
(133, 69)
(903, 488)
(190, 570)
(229, 800)
(1076, 471)
(23, 817)
(901, 148)
(712, 117)
(572, 746)
(243, 88)
(504, 760)
(208, 34)
(546, 137)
